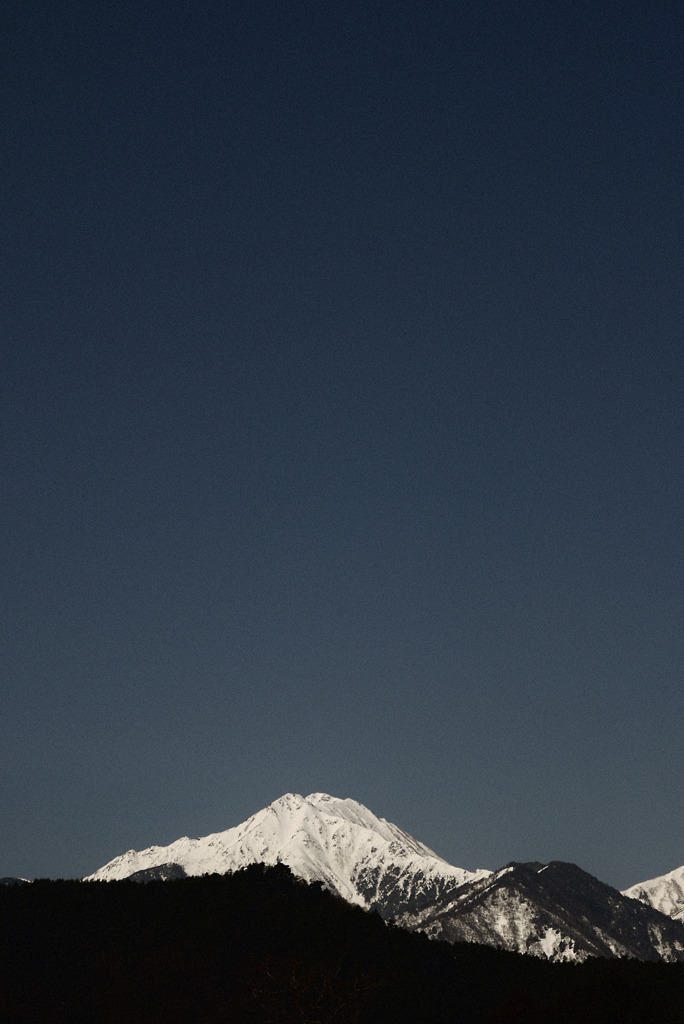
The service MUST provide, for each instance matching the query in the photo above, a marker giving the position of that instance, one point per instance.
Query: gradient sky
(341, 431)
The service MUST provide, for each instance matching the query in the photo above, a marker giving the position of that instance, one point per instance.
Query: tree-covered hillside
(260, 947)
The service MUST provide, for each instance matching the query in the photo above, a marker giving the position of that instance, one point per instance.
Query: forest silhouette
(261, 947)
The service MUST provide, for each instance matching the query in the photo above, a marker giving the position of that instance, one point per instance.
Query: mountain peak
(665, 893)
(554, 910)
(323, 838)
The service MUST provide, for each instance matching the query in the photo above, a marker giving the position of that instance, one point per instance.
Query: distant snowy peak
(364, 859)
(665, 893)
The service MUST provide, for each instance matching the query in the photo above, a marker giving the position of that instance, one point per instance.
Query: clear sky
(341, 424)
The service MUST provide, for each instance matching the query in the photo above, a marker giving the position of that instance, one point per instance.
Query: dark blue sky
(341, 405)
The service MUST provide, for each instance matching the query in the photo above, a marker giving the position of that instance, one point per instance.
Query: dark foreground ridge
(260, 947)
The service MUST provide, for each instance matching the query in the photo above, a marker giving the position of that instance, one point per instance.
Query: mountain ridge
(664, 893)
(554, 911)
(338, 842)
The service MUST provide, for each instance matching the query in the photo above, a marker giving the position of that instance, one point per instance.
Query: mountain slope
(360, 857)
(555, 911)
(259, 946)
(665, 893)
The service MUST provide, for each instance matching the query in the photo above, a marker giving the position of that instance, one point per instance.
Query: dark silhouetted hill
(261, 947)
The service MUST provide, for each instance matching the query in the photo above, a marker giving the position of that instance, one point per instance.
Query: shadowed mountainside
(260, 946)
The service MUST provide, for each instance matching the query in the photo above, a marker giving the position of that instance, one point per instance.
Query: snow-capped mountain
(555, 911)
(665, 893)
(360, 857)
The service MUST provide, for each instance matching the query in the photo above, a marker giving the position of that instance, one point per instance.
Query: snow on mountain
(554, 911)
(665, 893)
(362, 858)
